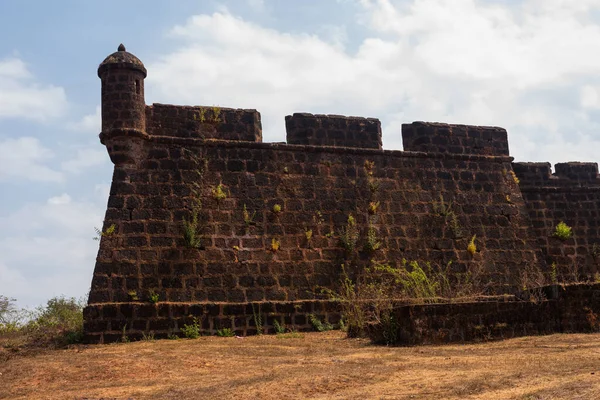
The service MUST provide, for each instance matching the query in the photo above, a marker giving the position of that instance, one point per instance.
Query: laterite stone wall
(458, 139)
(203, 122)
(570, 195)
(333, 130)
(317, 188)
(563, 309)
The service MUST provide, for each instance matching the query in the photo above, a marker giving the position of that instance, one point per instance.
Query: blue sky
(530, 66)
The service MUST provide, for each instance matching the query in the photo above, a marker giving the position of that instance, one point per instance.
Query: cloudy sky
(530, 66)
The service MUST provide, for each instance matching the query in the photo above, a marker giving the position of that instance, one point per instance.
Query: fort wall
(562, 309)
(428, 207)
(206, 221)
(570, 195)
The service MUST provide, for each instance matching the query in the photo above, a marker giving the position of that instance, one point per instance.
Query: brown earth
(315, 366)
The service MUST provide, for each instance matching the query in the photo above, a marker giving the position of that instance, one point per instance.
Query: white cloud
(22, 96)
(58, 200)
(522, 65)
(86, 157)
(49, 246)
(24, 158)
(590, 97)
(91, 123)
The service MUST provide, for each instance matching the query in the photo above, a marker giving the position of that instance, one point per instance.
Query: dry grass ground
(316, 366)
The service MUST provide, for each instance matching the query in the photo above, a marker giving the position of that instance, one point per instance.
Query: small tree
(9, 315)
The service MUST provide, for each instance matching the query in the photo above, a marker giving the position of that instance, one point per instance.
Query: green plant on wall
(236, 251)
(308, 234)
(373, 206)
(373, 185)
(455, 226)
(442, 208)
(318, 218)
(415, 281)
(108, 232)
(191, 236)
(349, 235)
(201, 115)
(372, 243)
(514, 177)
(218, 193)
(191, 226)
(275, 245)
(214, 119)
(371, 181)
(153, 297)
(248, 218)
(133, 295)
(563, 231)
(472, 247)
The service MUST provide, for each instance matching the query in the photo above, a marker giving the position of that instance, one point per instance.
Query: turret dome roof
(122, 59)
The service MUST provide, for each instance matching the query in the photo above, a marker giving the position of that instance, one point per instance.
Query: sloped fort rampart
(265, 221)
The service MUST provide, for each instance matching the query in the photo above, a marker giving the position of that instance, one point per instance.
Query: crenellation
(533, 172)
(457, 139)
(200, 122)
(333, 130)
(578, 171)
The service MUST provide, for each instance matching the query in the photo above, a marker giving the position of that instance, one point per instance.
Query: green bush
(191, 331)
(59, 323)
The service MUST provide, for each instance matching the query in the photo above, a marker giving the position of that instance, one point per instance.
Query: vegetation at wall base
(225, 332)
(318, 325)
(57, 324)
(369, 297)
(191, 331)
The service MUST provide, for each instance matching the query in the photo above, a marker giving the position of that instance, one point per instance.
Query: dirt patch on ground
(316, 366)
